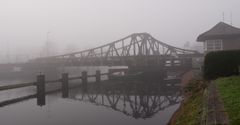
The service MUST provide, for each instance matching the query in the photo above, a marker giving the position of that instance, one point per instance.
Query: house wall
(229, 44)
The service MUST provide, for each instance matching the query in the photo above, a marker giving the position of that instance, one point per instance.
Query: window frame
(213, 45)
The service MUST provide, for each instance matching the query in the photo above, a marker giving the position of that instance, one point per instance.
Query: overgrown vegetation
(191, 110)
(221, 64)
(229, 89)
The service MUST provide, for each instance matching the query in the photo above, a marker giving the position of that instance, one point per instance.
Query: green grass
(229, 89)
(191, 111)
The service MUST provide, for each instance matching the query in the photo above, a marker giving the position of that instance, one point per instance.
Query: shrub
(221, 64)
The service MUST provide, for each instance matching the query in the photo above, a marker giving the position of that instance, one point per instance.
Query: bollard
(84, 80)
(40, 90)
(65, 91)
(98, 76)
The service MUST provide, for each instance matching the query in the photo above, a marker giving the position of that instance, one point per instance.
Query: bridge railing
(41, 83)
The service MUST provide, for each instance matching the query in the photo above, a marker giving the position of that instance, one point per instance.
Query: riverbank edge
(189, 81)
(191, 108)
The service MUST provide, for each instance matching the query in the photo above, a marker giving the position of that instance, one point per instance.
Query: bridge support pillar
(40, 90)
(65, 91)
(154, 73)
(98, 76)
(110, 73)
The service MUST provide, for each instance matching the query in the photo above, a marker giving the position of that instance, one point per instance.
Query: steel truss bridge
(138, 49)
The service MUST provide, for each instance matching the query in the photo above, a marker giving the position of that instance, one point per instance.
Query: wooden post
(98, 76)
(65, 91)
(40, 90)
(84, 80)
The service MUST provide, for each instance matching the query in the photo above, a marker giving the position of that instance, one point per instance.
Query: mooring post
(65, 91)
(40, 90)
(84, 80)
(98, 76)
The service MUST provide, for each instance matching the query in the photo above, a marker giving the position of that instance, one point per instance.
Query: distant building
(221, 37)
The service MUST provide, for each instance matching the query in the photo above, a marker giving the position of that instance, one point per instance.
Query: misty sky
(80, 24)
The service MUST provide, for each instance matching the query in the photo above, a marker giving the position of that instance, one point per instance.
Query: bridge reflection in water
(135, 99)
(117, 102)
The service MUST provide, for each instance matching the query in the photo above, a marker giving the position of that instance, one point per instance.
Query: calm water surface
(113, 103)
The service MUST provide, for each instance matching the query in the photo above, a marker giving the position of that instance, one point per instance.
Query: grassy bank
(229, 90)
(190, 112)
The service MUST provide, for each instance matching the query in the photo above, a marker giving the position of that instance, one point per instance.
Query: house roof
(220, 31)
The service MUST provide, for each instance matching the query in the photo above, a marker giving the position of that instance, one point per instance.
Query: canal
(118, 102)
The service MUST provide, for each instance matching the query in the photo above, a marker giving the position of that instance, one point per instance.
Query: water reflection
(109, 102)
(136, 99)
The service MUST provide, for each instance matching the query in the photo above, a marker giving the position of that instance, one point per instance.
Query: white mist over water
(28, 26)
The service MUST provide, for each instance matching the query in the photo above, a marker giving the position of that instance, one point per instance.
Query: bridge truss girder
(137, 47)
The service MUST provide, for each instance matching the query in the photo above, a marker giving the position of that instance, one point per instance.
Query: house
(221, 37)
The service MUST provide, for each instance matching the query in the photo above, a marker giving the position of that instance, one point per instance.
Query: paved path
(216, 114)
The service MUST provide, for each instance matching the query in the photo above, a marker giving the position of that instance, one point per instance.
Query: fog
(73, 25)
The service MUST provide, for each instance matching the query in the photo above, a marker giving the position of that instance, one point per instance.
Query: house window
(213, 45)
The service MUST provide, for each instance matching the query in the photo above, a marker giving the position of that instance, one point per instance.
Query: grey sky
(83, 24)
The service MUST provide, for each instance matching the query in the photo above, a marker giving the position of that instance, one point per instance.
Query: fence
(64, 80)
